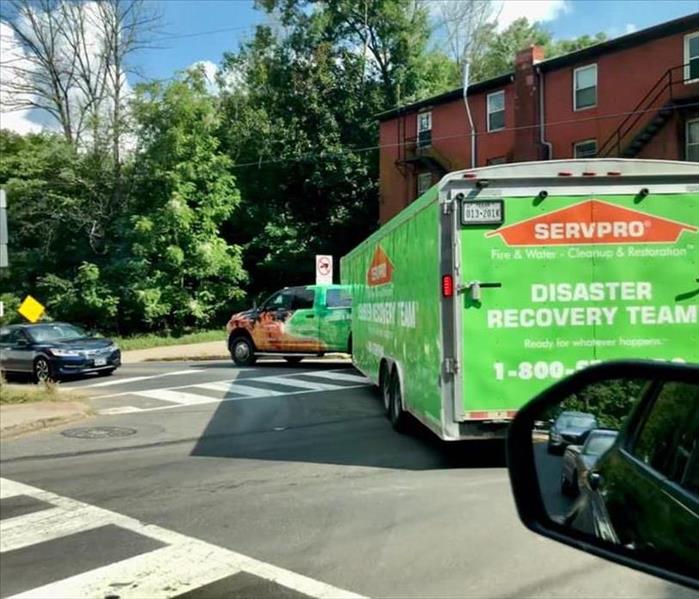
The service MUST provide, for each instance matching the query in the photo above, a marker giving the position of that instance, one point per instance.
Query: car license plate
(100, 361)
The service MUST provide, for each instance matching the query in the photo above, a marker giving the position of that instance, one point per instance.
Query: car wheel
(574, 486)
(396, 415)
(42, 370)
(242, 351)
(293, 359)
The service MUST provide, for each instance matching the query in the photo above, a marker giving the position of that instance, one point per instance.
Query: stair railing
(613, 144)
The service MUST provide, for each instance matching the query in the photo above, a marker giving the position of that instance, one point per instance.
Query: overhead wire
(406, 142)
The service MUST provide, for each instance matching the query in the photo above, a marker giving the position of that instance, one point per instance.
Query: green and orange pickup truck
(293, 323)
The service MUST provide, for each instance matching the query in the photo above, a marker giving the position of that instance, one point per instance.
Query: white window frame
(686, 137)
(687, 39)
(422, 177)
(575, 95)
(583, 142)
(488, 111)
(428, 114)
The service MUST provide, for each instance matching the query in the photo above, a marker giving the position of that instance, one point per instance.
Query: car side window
(668, 440)
(280, 301)
(303, 298)
(338, 298)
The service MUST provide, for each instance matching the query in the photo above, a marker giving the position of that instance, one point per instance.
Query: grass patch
(18, 394)
(156, 340)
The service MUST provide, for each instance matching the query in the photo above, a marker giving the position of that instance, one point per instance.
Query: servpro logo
(380, 270)
(592, 222)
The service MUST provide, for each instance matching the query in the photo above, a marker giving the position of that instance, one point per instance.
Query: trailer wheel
(385, 387)
(397, 414)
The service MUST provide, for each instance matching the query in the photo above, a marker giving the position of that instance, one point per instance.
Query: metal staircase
(650, 115)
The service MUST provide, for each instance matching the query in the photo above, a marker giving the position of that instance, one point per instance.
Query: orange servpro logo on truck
(380, 270)
(592, 222)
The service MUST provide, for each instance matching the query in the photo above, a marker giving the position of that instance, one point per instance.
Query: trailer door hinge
(451, 366)
(447, 207)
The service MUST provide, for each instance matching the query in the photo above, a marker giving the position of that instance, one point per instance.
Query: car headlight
(65, 353)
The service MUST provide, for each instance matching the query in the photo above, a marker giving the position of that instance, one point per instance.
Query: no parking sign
(324, 270)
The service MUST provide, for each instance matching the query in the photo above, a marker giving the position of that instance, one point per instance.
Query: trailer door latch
(451, 366)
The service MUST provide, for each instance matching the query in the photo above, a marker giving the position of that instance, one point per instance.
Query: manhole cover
(99, 432)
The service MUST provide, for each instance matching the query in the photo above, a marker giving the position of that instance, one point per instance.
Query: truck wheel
(242, 351)
(396, 414)
(293, 359)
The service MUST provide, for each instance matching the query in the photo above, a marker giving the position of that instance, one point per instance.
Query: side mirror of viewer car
(633, 496)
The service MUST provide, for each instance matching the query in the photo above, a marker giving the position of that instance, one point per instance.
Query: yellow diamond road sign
(31, 309)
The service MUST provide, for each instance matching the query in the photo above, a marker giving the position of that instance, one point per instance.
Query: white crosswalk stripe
(237, 389)
(183, 564)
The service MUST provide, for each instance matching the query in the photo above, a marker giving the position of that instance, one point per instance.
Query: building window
(585, 149)
(691, 57)
(692, 149)
(424, 129)
(424, 182)
(585, 87)
(496, 111)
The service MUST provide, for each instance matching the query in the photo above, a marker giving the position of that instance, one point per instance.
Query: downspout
(542, 117)
(467, 68)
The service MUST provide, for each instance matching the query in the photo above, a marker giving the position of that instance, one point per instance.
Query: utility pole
(4, 238)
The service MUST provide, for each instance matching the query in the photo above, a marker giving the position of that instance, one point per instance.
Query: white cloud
(630, 28)
(534, 10)
(19, 121)
(210, 69)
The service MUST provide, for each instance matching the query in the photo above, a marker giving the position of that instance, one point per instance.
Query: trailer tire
(385, 388)
(397, 414)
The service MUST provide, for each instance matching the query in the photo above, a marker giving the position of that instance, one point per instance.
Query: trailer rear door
(580, 275)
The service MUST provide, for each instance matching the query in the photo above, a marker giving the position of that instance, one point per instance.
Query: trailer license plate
(484, 212)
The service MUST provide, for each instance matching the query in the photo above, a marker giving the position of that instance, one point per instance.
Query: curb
(41, 424)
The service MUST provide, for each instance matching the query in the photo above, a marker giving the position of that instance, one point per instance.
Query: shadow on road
(346, 428)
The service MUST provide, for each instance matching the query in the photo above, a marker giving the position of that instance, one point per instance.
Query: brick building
(633, 96)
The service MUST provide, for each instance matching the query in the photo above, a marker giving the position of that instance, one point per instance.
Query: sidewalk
(209, 350)
(16, 419)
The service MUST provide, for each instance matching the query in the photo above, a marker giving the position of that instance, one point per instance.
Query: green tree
(177, 268)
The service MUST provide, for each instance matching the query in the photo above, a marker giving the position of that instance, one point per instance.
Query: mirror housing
(524, 475)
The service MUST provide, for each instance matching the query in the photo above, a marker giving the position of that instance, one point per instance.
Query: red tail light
(447, 286)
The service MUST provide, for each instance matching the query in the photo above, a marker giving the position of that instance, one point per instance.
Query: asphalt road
(204, 480)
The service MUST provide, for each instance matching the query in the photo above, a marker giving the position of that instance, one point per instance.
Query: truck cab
(294, 322)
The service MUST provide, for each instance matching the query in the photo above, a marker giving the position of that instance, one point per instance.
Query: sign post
(324, 270)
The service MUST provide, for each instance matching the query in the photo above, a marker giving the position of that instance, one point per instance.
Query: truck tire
(242, 351)
(397, 414)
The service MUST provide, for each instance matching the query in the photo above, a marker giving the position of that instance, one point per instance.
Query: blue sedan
(51, 350)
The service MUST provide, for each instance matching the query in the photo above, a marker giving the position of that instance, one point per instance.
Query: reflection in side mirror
(618, 471)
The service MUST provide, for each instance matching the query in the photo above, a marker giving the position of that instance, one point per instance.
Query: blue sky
(565, 18)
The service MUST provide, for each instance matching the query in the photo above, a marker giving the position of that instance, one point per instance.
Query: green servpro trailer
(500, 280)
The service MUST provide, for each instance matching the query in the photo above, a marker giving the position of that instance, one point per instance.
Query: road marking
(120, 410)
(178, 397)
(185, 564)
(291, 382)
(135, 379)
(233, 387)
(47, 525)
(339, 376)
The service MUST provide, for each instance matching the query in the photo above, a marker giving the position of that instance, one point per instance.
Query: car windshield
(598, 444)
(55, 332)
(575, 422)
